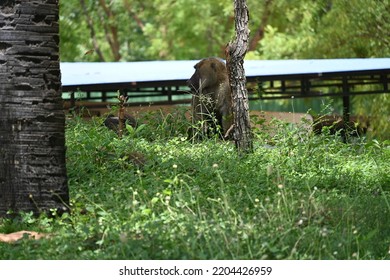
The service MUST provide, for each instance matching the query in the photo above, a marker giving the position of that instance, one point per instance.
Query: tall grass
(298, 196)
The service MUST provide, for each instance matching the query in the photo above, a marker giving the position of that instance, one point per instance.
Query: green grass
(298, 196)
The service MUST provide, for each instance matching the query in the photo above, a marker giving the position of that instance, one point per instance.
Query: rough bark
(32, 140)
(235, 53)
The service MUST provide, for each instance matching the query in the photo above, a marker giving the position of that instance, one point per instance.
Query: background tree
(194, 29)
(32, 146)
(148, 30)
(334, 29)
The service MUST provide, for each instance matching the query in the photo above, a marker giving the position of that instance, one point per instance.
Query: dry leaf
(15, 236)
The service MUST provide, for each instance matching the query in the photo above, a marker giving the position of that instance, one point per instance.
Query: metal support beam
(385, 83)
(346, 108)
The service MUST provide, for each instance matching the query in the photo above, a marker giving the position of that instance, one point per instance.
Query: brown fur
(112, 122)
(211, 95)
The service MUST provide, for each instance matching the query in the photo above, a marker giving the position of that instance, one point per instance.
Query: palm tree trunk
(32, 138)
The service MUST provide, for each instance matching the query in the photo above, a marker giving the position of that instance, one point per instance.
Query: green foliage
(290, 32)
(327, 29)
(183, 29)
(299, 197)
(377, 108)
(189, 29)
(74, 35)
(357, 28)
(145, 29)
(333, 29)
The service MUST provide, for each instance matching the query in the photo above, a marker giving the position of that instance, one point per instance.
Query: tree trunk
(235, 53)
(32, 122)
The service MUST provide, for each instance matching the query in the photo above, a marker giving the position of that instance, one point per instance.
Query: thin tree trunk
(32, 122)
(235, 53)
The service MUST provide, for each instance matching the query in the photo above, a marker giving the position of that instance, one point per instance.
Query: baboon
(211, 99)
(112, 122)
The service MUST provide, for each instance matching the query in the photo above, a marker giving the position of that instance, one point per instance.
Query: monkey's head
(208, 72)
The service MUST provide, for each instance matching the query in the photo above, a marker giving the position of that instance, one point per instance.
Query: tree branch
(139, 22)
(92, 31)
(112, 37)
(259, 34)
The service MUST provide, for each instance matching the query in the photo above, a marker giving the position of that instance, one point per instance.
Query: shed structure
(164, 82)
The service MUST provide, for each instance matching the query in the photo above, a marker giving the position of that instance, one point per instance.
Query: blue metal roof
(313, 66)
(89, 73)
(86, 73)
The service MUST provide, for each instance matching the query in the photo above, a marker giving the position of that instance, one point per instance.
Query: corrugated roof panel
(313, 66)
(85, 73)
